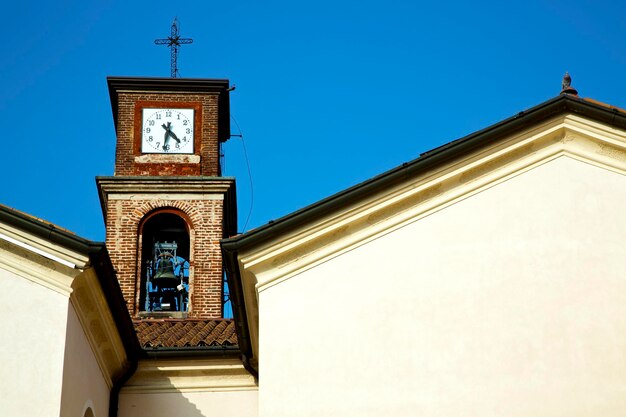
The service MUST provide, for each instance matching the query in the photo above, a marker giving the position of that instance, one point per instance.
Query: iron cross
(174, 41)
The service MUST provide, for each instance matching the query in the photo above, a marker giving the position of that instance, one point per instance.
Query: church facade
(483, 278)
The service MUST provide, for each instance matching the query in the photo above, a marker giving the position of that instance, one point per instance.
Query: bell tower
(167, 206)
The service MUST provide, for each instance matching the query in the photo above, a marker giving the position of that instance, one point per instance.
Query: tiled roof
(36, 219)
(173, 333)
(600, 103)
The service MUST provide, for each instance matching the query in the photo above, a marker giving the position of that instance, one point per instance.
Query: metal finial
(566, 85)
(174, 41)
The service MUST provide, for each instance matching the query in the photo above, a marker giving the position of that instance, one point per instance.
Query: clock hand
(166, 136)
(169, 133)
(173, 135)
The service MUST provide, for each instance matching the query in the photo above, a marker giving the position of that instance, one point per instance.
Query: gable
(434, 190)
(440, 178)
(508, 298)
(562, 218)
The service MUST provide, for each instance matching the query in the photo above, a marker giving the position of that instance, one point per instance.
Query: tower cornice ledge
(133, 185)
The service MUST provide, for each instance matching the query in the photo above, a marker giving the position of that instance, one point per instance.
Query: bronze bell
(165, 270)
(164, 275)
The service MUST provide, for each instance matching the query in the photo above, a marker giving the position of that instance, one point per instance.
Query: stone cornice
(36, 268)
(42, 246)
(195, 185)
(175, 375)
(127, 187)
(38, 260)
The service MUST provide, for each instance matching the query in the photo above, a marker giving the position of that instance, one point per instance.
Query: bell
(164, 277)
(165, 270)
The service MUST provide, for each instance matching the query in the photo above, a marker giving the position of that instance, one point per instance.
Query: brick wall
(203, 214)
(129, 134)
(124, 217)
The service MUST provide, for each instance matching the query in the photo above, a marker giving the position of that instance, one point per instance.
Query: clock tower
(167, 206)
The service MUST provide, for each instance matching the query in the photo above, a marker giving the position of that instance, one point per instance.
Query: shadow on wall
(158, 397)
(154, 394)
(165, 403)
(83, 383)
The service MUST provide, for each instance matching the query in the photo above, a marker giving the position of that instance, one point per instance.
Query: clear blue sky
(329, 93)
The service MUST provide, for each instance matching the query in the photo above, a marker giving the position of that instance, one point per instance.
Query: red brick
(205, 217)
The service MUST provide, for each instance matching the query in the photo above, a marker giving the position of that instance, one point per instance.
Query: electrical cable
(245, 153)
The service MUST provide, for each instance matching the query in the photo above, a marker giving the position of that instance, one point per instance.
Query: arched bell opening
(165, 256)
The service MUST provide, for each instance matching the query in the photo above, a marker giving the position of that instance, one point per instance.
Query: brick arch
(190, 213)
(204, 217)
(142, 214)
(166, 209)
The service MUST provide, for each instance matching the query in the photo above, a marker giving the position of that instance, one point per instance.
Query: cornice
(90, 304)
(44, 238)
(131, 187)
(160, 84)
(273, 261)
(36, 268)
(196, 185)
(189, 375)
(567, 135)
(38, 260)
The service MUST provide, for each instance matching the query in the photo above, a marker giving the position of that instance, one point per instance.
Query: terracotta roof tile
(600, 103)
(37, 219)
(169, 333)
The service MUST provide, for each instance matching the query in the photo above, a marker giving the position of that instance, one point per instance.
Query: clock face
(167, 130)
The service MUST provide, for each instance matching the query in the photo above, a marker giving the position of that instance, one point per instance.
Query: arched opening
(165, 264)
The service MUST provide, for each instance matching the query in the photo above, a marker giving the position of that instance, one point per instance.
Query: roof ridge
(176, 320)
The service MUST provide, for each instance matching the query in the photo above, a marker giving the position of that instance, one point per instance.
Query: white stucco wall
(509, 303)
(83, 383)
(236, 403)
(31, 347)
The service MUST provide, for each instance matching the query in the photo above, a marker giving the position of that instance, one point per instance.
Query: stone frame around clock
(138, 128)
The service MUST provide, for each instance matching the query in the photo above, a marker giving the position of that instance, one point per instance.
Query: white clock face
(167, 130)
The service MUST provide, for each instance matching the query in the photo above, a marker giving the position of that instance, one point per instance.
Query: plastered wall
(240, 403)
(83, 383)
(31, 347)
(510, 302)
